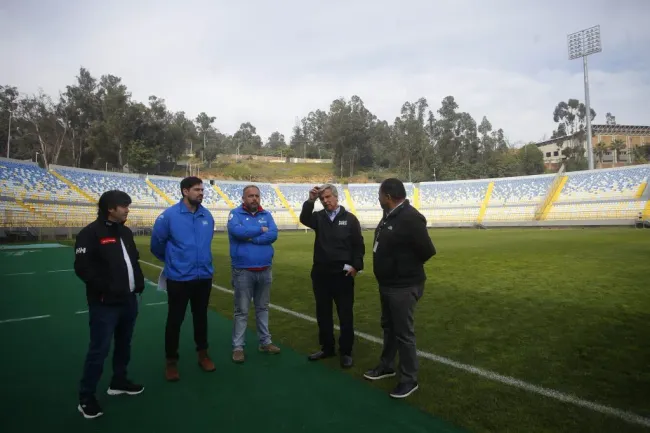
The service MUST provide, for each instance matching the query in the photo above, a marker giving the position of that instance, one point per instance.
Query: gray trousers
(397, 310)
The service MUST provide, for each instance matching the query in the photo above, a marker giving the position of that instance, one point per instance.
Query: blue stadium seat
(96, 183)
(32, 196)
(171, 187)
(521, 190)
(27, 181)
(612, 183)
(454, 194)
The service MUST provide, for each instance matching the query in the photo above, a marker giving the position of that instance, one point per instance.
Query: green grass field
(567, 310)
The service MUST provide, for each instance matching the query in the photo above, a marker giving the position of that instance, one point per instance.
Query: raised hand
(313, 193)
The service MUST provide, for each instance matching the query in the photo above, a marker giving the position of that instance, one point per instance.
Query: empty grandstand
(64, 198)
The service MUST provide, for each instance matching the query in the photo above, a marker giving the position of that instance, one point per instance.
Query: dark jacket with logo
(402, 246)
(99, 262)
(337, 242)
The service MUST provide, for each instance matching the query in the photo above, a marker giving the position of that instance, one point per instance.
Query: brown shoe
(205, 362)
(238, 356)
(270, 348)
(171, 371)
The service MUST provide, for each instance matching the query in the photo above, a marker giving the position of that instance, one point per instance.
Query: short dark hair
(243, 192)
(189, 182)
(110, 200)
(394, 188)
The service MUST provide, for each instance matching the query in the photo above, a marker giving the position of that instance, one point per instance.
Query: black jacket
(337, 242)
(402, 245)
(99, 261)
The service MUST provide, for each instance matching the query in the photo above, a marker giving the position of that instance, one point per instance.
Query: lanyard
(382, 223)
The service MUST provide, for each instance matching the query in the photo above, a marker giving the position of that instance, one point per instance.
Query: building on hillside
(625, 137)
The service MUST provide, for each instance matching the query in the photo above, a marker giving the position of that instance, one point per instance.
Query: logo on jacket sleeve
(80, 250)
(105, 241)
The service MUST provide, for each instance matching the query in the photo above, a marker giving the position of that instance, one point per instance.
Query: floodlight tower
(582, 44)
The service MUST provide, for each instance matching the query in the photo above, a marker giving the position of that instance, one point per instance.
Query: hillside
(261, 171)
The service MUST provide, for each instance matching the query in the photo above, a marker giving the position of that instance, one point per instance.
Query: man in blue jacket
(252, 232)
(182, 239)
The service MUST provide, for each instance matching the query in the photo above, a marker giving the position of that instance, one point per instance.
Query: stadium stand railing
(64, 198)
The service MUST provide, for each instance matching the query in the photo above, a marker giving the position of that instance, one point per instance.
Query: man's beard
(195, 202)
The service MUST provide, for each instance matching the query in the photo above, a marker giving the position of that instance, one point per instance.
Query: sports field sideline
(571, 331)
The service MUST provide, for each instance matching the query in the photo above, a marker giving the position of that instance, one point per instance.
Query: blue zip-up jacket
(182, 240)
(250, 247)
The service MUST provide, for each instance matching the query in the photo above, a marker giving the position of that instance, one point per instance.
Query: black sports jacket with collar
(401, 247)
(99, 261)
(337, 242)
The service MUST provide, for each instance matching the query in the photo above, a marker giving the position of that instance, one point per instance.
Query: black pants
(397, 310)
(108, 322)
(339, 288)
(179, 293)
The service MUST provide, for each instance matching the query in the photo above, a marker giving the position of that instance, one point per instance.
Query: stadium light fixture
(582, 44)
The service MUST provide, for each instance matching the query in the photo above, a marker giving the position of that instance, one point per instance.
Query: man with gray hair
(338, 257)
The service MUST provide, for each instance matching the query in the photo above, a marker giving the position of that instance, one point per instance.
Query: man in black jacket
(338, 257)
(106, 260)
(402, 245)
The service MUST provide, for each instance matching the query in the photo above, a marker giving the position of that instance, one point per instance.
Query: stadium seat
(33, 197)
(97, 182)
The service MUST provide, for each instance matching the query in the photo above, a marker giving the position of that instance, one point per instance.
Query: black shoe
(127, 387)
(403, 390)
(89, 407)
(379, 373)
(320, 355)
(346, 361)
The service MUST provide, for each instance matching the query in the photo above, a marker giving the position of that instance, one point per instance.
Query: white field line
(507, 380)
(22, 319)
(76, 312)
(32, 273)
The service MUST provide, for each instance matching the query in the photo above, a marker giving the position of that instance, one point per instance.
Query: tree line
(95, 123)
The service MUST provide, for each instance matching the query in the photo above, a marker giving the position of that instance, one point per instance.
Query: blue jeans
(257, 286)
(107, 323)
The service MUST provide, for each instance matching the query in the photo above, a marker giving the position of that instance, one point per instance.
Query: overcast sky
(269, 62)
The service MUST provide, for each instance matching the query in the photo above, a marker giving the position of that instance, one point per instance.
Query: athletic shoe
(89, 407)
(403, 390)
(379, 373)
(127, 387)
